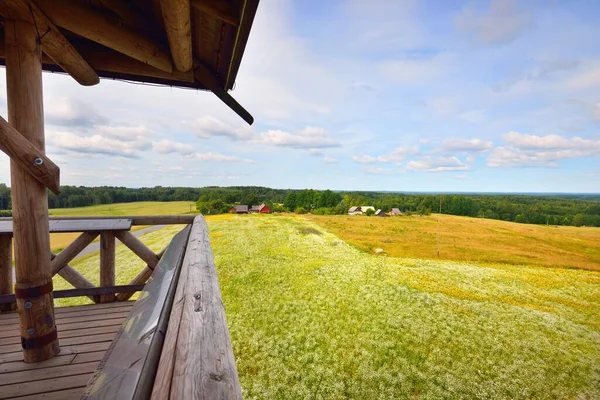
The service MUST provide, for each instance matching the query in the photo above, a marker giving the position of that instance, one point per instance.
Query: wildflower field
(469, 239)
(312, 317)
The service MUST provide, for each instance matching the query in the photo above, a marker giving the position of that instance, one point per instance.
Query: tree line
(576, 210)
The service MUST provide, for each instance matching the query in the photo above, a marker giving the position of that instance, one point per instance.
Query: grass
(311, 317)
(59, 241)
(470, 239)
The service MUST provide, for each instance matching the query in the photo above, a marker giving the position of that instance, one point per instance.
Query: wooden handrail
(185, 219)
(197, 359)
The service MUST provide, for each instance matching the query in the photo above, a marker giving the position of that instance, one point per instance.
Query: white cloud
(525, 141)
(597, 113)
(207, 126)
(330, 160)
(307, 138)
(97, 144)
(466, 145)
(397, 155)
(167, 146)
(502, 23)
(125, 133)
(219, 158)
(531, 150)
(71, 112)
(437, 164)
(364, 159)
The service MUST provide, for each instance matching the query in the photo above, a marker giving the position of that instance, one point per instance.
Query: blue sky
(415, 95)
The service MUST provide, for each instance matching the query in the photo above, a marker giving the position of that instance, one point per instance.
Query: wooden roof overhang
(195, 44)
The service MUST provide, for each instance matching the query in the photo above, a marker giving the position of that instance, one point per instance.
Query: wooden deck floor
(84, 333)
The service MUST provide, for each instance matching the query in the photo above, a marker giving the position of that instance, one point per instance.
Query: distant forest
(564, 209)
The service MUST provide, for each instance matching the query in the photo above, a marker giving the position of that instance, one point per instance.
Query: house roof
(353, 209)
(255, 208)
(241, 208)
(395, 209)
(199, 46)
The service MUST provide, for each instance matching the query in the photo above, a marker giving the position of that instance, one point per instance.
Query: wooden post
(33, 287)
(6, 274)
(107, 264)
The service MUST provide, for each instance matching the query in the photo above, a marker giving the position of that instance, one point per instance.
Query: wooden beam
(139, 248)
(207, 77)
(141, 278)
(6, 270)
(70, 275)
(93, 291)
(54, 44)
(29, 197)
(107, 264)
(197, 359)
(220, 9)
(183, 219)
(176, 14)
(29, 157)
(72, 250)
(85, 21)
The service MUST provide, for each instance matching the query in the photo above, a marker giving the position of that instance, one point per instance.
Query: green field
(312, 317)
(59, 241)
(138, 208)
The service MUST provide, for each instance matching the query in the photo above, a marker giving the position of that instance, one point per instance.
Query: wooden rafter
(221, 9)
(176, 15)
(29, 157)
(84, 21)
(54, 44)
(205, 76)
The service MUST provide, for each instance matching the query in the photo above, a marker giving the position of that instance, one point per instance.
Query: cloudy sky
(415, 95)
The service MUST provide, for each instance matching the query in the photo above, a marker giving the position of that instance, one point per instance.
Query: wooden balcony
(172, 342)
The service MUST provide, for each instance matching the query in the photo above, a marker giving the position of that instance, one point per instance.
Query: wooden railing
(175, 343)
(109, 229)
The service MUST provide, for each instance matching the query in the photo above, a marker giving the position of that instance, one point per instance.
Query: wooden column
(29, 197)
(107, 264)
(6, 274)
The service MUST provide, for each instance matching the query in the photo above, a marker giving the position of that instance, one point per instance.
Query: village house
(380, 213)
(360, 210)
(241, 209)
(262, 209)
(396, 211)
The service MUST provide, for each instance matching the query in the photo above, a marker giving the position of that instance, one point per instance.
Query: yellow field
(469, 239)
(59, 241)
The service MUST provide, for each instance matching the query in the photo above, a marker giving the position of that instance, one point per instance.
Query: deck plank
(69, 327)
(68, 334)
(69, 394)
(47, 373)
(88, 309)
(84, 332)
(84, 339)
(43, 386)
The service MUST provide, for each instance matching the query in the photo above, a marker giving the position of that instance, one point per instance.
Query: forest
(559, 209)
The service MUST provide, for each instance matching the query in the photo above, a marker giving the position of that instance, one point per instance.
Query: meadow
(312, 316)
(59, 241)
(469, 239)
